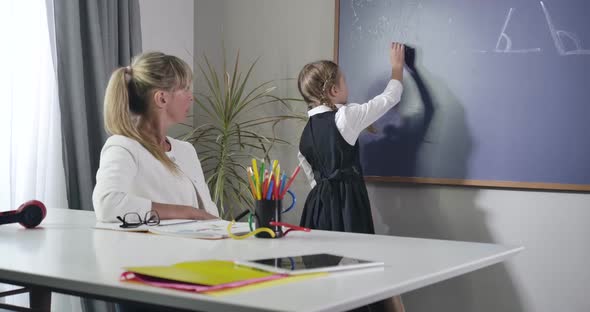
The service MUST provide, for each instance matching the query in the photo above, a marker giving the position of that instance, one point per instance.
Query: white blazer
(129, 179)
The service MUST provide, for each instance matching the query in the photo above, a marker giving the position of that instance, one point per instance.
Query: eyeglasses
(133, 220)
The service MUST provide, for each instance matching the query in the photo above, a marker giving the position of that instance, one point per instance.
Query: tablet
(313, 263)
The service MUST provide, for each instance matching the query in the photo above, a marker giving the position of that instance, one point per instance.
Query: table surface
(67, 254)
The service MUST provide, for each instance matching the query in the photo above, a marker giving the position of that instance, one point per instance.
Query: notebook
(215, 229)
(203, 229)
(116, 226)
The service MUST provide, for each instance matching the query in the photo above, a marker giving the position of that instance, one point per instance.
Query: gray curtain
(93, 38)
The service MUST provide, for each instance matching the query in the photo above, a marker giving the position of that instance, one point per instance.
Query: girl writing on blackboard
(329, 148)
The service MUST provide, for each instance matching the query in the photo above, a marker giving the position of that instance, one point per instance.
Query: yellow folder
(210, 272)
(277, 282)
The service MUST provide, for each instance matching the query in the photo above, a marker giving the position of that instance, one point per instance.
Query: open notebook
(203, 229)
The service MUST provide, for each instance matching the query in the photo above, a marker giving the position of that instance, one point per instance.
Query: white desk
(67, 255)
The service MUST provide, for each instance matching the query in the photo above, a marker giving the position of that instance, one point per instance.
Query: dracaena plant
(238, 129)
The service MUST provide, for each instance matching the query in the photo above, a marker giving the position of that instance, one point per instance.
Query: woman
(141, 169)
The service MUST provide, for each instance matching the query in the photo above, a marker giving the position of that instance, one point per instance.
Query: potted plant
(235, 132)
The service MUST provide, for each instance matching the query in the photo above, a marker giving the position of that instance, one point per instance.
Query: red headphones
(29, 214)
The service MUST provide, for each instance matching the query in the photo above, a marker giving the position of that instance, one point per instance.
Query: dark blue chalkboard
(499, 94)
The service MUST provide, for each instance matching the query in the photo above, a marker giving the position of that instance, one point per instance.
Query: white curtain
(31, 159)
(31, 165)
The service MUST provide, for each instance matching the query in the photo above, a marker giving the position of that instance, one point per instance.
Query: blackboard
(497, 94)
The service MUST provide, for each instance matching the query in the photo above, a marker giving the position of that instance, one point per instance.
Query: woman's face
(178, 104)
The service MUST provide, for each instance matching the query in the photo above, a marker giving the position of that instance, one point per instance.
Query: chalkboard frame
(456, 182)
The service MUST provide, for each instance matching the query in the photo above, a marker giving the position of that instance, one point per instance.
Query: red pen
(290, 227)
(290, 181)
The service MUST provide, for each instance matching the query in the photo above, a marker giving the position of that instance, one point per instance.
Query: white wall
(168, 26)
(550, 275)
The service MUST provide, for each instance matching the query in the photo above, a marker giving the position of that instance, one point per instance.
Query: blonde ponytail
(128, 96)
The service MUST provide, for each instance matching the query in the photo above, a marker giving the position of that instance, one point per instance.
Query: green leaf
(232, 137)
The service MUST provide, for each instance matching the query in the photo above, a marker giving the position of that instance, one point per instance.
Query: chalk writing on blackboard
(558, 36)
(566, 42)
(507, 41)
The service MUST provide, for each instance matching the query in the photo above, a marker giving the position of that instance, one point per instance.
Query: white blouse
(353, 118)
(129, 179)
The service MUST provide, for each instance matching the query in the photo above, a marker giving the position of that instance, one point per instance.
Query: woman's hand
(169, 211)
(201, 214)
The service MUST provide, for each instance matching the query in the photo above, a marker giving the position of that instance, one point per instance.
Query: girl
(141, 169)
(329, 149)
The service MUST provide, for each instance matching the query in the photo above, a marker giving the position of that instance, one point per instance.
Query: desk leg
(398, 305)
(393, 304)
(40, 299)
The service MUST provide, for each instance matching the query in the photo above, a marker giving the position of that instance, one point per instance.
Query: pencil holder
(265, 212)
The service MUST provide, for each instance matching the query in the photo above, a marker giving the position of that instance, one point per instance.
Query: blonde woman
(141, 169)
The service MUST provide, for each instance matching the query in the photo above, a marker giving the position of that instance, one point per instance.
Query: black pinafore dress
(339, 201)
